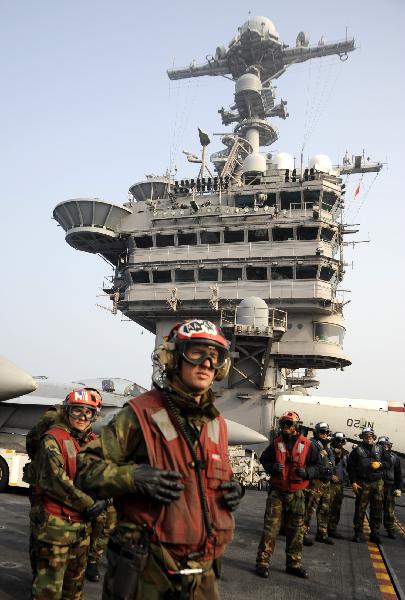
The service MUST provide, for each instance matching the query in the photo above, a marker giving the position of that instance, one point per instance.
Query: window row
(250, 273)
(291, 200)
(230, 236)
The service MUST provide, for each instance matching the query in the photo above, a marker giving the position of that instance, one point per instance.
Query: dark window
(242, 201)
(163, 240)
(306, 271)
(326, 273)
(187, 239)
(311, 197)
(186, 275)
(307, 233)
(290, 200)
(237, 235)
(327, 234)
(256, 273)
(140, 276)
(208, 274)
(144, 241)
(162, 277)
(281, 234)
(278, 273)
(210, 237)
(328, 200)
(229, 274)
(271, 200)
(258, 235)
(326, 332)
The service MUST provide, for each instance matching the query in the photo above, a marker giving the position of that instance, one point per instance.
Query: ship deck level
(345, 570)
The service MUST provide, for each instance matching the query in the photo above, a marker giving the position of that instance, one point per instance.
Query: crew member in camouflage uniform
(392, 487)
(163, 458)
(318, 493)
(336, 483)
(366, 466)
(291, 460)
(101, 529)
(60, 512)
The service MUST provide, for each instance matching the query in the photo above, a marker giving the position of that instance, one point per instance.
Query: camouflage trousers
(59, 570)
(335, 506)
(371, 492)
(154, 584)
(291, 508)
(101, 528)
(318, 500)
(389, 508)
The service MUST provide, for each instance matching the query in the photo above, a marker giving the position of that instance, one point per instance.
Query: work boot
(324, 539)
(356, 537)
(297, 571)
(262, 570)
(375, 537)
(391, 534)
(335, 534)
(92, 572)
(308, 540)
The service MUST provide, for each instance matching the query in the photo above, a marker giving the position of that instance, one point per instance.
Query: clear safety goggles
(82, 413)
(196, 353)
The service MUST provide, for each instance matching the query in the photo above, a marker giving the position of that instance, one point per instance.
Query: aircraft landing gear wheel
(4, 472)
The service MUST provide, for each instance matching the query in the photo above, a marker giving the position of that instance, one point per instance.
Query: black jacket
(360, 459)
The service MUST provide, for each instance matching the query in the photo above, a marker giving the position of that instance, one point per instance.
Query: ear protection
(166, 357)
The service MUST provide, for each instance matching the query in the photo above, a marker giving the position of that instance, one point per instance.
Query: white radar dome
(321, 163)
(283, 161)
(252, 311)
(261, 25)
(248, 83)
(254, 163)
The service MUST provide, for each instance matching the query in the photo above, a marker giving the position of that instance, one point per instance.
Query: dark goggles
(287, 423)
(324, 431)
(196, 353)
(82, 413)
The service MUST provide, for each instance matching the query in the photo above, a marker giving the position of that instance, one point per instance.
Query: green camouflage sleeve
(53, 478)
(106, 466)
(32, 441)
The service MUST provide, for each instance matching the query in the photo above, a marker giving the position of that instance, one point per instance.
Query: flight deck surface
(345, 570)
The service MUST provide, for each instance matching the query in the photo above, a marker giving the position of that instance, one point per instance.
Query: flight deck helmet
(321, 427)
(384, 440)
(338, 439)
(366, 431)
(85, 397)
(290, 417)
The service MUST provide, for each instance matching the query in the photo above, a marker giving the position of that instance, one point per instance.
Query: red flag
(357, 191)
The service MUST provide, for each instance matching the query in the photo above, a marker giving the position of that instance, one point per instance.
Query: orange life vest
(287, 480)
(180, 525)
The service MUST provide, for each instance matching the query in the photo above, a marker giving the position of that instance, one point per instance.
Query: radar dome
(254, 163)
(252, 311)
(261, 25)
(283, 161)
(321, 163)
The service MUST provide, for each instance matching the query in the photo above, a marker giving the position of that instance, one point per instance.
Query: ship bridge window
(140, 277)
(208, 274)
(256, 273)
(231, 274)
(164, 239)
(210, 237)
(187, 239)
(244, 200)
(162, 277)
(143, 241)
(290, 200)
(279, 273)
(258, 235)
(306, 271)
(326, 273)
(327, 234)
(307, 233)
(185, 275)
(311, 197)
(236, 235)
(328, 200)
(271, 200)
(282, 234)
(329, 333)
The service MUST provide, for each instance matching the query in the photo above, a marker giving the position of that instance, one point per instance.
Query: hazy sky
(86, 109)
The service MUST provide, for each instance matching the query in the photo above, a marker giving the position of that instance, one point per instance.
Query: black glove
(301, 473)
(277, 468)
(234, 495)
(158, 484)
(94, 510)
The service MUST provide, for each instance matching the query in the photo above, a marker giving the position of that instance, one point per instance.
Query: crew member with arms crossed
(163, 458)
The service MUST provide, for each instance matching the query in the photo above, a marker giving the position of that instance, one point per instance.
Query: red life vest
(69, 447)
(287, 480)
(180, 525)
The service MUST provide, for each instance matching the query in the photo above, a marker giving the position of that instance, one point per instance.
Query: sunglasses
(286, 423)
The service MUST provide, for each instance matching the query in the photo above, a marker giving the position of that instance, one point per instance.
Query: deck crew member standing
(163, 458)
(61, 513)
(336, 483)
(366, 466)
(392, 486)
(291, 460)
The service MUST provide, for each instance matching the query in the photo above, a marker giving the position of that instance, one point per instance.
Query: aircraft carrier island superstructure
(255, 243)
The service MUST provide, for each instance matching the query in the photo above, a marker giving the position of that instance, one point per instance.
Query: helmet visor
(196, 353)
(286, 423)
(81, 412)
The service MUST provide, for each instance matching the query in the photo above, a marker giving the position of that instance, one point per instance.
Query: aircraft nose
(14, 381)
